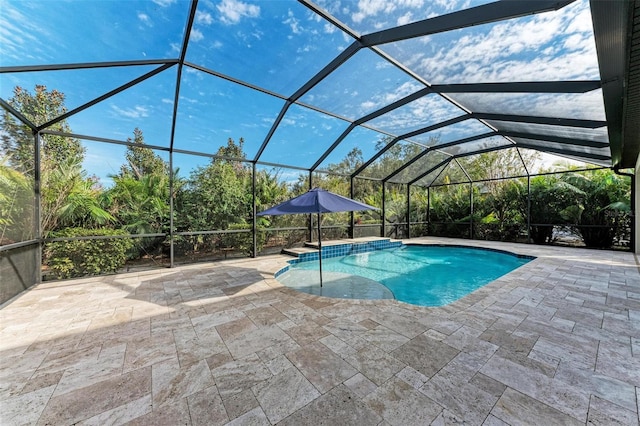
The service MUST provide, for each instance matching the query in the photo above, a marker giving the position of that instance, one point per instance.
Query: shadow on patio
(556, 341)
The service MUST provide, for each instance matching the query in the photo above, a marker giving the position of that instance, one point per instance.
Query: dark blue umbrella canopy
(317, 200)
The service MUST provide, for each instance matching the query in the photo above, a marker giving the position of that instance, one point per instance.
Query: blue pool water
(420, 275)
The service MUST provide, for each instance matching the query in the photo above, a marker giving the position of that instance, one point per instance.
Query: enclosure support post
(310, 228)
(352, 223)
(633, 204)
(171, 254)
(38, 203)
(528, 209)
(471, 210)
(254, 228)
(428, 210)
(382, 228)
(634, 212)
(408, 211)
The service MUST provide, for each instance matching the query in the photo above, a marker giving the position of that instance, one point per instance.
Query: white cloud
(417, 114)
(164, 3)
(293, 23)
(367, 8)
(188, 100)
(547, 46)
(22, 38)
(575, 42)
(196, 35)
(144, 18)
(373, 8)
(404, 19)
(167, 101)
(135, 112)
(204, 18)
(586, 106)
(329, 28)
(232, 11)
(368, 105)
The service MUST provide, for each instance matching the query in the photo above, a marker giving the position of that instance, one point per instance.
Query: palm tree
(604, 198)
(71, 199)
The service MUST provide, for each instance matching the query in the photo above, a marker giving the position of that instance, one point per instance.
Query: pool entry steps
(336, 248)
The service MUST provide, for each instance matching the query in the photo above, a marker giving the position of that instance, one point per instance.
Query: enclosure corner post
(310, 227)
(254, 229)
(633, 202)
(171, 210)
(408, 210)
(528, 209)
(383, 231)
(428, 210)
(352, 223)
(471, 210)
(320, 249)
(38, 203)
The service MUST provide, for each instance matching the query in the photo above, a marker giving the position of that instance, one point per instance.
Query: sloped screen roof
(304, 83)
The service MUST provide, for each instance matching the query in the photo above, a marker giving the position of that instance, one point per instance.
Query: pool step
(297, 251)
(341, 247)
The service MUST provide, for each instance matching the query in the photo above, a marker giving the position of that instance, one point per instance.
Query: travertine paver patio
(554, 342)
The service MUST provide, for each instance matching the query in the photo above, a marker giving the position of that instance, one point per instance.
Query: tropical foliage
(16, 205)
(91, 256)
(214, 204)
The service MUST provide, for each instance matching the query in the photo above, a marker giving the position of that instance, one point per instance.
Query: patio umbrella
(317, 201)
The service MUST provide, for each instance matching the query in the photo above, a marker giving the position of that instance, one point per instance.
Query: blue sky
(277, 46)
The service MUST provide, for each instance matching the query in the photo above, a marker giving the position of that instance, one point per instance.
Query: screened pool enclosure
(150, 132)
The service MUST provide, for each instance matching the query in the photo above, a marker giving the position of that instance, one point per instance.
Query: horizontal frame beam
(556, 139)
(551, 121)
(86, 65)
(587, 156)
(484, 14)
(579, 86)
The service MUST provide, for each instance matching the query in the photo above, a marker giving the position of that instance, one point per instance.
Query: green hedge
(69, 259)
(244, 241)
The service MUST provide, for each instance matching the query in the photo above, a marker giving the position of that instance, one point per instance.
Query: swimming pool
(424, 275)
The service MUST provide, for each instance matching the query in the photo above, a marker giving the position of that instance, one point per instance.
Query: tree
(350, 163)
(604, 198)
(395, 157)
(18, 140)
(500, 211)
(71, 199)
(269, 189)
(139, 197)
(142, 161)
(492, 166)
(68, 196)
(216, 195)
(16, 205)
(552, 202)
(450, 205)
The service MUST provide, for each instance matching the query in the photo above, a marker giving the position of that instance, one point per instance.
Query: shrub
(77, 258)
(243, 241)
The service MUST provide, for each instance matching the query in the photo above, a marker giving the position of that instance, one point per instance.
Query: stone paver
(553, 342)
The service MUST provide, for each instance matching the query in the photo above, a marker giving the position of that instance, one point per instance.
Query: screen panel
(281, 45)
(302, 137)
(212, 110)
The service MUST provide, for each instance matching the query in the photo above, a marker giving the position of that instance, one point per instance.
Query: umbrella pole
(320, 249)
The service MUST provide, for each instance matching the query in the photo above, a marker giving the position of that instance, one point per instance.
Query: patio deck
(555, 342)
